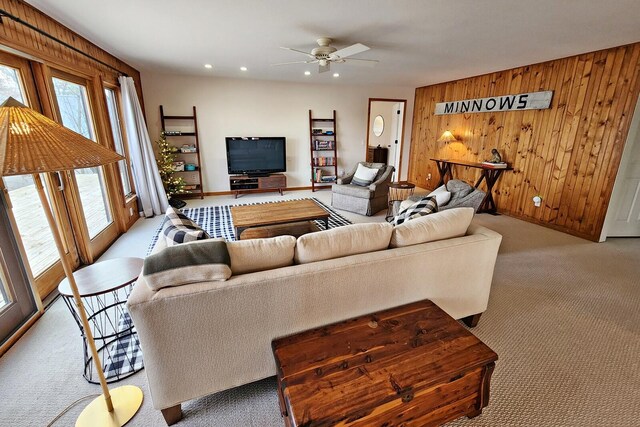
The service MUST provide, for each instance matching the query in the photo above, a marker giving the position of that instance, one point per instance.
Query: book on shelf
(501, 165)
(323, 161)
(323, 145)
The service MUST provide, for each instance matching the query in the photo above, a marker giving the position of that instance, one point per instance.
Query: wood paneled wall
(568, 154)
(21, 38)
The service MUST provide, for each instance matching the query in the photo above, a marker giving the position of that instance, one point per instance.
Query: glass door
(23, 204)
(91, 207)
(16, 298)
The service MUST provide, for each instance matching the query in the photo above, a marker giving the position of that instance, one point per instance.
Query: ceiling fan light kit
(325, 54)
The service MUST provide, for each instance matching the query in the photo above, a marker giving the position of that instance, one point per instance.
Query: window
(75, 113)
(27, 210)
(116, 130)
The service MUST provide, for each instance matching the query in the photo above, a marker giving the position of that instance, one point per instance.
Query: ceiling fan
(325, 54)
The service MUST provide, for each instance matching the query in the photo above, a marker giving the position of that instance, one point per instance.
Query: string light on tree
(173, 185)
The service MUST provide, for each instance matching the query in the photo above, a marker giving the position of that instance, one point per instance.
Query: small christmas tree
(173, 185)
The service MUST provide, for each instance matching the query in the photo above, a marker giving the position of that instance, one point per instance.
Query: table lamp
(447, 137)
(31, 143)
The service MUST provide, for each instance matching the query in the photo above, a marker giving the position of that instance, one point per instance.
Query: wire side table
(398, 192)
(104, 288)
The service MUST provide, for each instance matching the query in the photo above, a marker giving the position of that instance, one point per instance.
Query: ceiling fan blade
(354, 49)
(362, 62)
(299, 51)
(294, 62)
(324, 68)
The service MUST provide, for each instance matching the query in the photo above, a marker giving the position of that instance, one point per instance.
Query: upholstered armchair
(363, 200)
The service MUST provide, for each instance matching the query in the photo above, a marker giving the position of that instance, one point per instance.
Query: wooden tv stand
(262, 184)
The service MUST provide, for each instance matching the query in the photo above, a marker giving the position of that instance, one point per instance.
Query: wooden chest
(412, 365)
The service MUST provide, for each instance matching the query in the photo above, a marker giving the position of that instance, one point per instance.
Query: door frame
(404, 118)
(25, 306)
(633, 138)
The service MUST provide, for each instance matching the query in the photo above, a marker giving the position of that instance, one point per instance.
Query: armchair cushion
(353, 191)
(364, 175)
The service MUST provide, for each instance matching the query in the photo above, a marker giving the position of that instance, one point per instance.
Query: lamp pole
(68, 271)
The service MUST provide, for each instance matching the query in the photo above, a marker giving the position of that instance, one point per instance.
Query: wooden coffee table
(412, 365)
(269, 214)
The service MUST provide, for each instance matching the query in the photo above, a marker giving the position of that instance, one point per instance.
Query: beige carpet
(564, 318)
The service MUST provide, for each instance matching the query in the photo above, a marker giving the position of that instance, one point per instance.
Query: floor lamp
(31, 144)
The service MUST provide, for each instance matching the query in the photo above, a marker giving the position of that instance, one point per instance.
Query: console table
(488, 174)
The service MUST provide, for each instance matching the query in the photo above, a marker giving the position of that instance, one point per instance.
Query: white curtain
(149, 188)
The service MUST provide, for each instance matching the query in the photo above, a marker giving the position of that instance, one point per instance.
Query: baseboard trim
(19, 332)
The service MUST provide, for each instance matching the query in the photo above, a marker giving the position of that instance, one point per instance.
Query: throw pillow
(178, 228)
(252, 255)
(438, 226)
(364, 176)
(441, 194)
(201, 261)
(342, 241)
(422, 207)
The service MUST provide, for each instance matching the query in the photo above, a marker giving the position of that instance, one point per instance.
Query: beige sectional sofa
(201, 338)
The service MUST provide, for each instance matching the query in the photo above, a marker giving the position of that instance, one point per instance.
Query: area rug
(217, 222)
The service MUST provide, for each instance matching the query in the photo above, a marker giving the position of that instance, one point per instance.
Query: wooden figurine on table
(495, 156)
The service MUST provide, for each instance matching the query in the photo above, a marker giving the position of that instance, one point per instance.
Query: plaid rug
(124, 355)
(217, 222)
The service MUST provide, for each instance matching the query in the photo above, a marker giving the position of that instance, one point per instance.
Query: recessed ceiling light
(208, 66)
(243, 68)
(307, 73)
(336, 75)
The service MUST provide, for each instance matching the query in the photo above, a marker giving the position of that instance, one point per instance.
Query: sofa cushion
(364, 176)
(422, 207)
(441, 194)
(179, 228)
(459, 189)
(200, 261)
(252, 255)
(438, 226)
(342, 241)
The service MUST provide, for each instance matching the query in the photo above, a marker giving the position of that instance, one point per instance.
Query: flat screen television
(256, 155)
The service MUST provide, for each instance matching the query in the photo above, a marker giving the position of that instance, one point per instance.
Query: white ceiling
(417, 42)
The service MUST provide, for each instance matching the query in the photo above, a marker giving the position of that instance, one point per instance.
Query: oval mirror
(378, 125)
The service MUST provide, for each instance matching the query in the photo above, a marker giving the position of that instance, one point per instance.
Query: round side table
(398, 192)
(104, 288)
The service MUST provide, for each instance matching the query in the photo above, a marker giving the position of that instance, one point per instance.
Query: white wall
(242, 107)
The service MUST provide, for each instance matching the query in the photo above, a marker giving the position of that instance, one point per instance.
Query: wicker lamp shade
(447, 136)
(31, 143)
